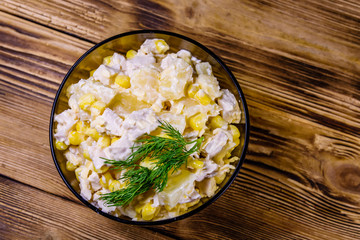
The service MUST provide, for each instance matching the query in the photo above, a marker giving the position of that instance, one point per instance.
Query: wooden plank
(323, 31)
(324, 67)
(39, 215)
(33, 62)
(301, 168)
(299, 181)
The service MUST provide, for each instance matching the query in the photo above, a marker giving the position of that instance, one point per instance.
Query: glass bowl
(132, 40)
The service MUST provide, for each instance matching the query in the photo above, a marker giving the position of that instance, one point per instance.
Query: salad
(149, 134)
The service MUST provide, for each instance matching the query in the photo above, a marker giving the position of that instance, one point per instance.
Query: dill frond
(169, 154)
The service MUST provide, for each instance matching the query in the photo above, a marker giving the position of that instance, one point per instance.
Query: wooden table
(298, 63)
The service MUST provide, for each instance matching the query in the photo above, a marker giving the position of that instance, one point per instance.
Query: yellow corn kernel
(138, 208)
(198, 121)
(98, 107)
(196, 164)
(148, 212)
(235, 132)
(60, 145)
(86, 100)
(70, 166)
(220, 178)
(114, 139)
(164, 135)
(202, 97)
(86, 155)
(77, 173)
(107, 60)
(217, 122)
(192, 90)
(237, 142)
(104, 141)
(131, 54)
(106, 180)
(148, 162)
(80, 126)
(122, 80)
(161, 46)
(92, 133)
(102, 169)
(92, 72)
(116, 185)
(75, 138)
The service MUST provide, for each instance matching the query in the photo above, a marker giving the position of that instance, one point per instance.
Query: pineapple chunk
(177, 186)
(128, 103)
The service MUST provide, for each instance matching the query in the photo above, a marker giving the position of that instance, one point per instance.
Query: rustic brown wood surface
(298, 63)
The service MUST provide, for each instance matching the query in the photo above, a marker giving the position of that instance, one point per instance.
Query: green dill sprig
(167, 153)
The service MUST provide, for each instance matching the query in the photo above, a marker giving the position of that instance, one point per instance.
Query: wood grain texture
(39, 215)
(298, 63)
(324, 31)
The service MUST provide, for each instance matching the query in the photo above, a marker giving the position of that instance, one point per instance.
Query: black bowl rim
(213, 198)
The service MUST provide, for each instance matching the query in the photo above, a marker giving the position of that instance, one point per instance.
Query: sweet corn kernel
(217, 122)
(122, 80)
(106, 180)
(192, 90)
(60, 145)
(77, 173)
(196, 164)
(114, 139)
(138, 208)
(163, 135)
(202, 97)
(92, 72)
(86, 100)
(97, 107)
(92, 133)
(104, 141)
(220, 178)
(80, 126)
(198, 121)
(102, 169)
(161, 46)
(86, 155)
(148, 212)
(148, 162)
(131, 54)
(75, 138)
(70, 166)
(237, 142)
(115, 185)
(107, 60)
(234, 131)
